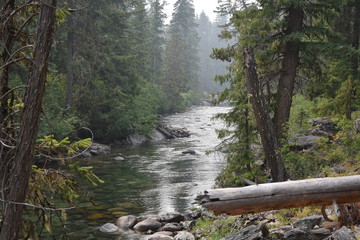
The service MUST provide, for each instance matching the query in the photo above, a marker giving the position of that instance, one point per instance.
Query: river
(154, 177)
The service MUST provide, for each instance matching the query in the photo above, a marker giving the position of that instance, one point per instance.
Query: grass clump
(214, 229)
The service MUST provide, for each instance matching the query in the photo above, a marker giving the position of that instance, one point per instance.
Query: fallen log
(290, 194)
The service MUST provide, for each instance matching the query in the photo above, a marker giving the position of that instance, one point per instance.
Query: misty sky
(207, 5)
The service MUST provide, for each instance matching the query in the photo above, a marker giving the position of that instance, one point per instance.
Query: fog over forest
(144, 107)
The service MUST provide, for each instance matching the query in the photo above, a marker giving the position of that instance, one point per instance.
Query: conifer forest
(75, 72)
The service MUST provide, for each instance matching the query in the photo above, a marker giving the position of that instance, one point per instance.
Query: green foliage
(64, 147)
(49, 188)
(180, 70)
(57, 120)
(302, 110)
(342, 153)
(215, 229)
(341, 104)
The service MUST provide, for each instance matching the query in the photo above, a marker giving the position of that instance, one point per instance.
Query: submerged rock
(109, 228)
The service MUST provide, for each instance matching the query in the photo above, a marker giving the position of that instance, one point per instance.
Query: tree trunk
(289, 194)
(263, 122)
(8, 39)
(23, 159)
(290, 63)
(70, 54)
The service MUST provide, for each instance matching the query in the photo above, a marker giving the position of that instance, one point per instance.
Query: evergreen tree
(157, 37)
(285, 36)
(181, 59)
(208, 33)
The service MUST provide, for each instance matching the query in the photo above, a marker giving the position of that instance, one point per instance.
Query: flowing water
(154, 177)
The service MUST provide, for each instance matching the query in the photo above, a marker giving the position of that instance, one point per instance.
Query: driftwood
(290, 194)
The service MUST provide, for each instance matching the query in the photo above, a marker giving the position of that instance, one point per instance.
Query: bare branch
(35, 206)
(12, 90)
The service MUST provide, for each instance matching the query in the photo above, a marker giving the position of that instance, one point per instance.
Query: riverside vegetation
(114, 67)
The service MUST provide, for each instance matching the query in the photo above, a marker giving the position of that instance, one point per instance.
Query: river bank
(151, 178)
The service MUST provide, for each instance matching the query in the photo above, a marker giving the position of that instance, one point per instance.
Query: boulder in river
(136, 139)
(147, 224)
(96, 149)
(119, 158)
(189, 151)
(172, 132)
(171, 227)
(171, 217)
(126, 222)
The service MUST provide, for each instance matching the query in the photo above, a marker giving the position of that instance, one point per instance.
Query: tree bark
(263, 122)
(8, 38)
(289, 194)
(70, 55)
(23, 159)
(290, 63)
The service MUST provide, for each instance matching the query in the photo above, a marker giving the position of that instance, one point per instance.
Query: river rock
(184, 236)
(158, 236)
(165, 233)
(147, 224)
(119, 158)
(156, 135)
(171, 217)
(96, 149)
(171, 132)
(342, 234)
(308, 223)
(252, 232)
(171, 227)
(189, 151)
(188, 225)
(109, 228)
(126, 222)
(319, 234)
(136, 139)
(296, 234)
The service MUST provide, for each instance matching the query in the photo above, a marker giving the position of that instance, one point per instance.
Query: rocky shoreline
(265, 226)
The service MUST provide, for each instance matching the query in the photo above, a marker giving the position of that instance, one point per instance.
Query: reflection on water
(154, 177)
